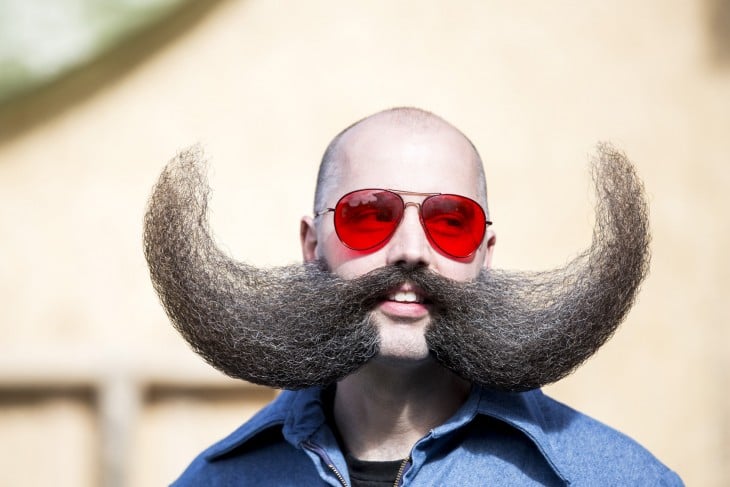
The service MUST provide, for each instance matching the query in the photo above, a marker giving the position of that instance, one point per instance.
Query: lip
(405, 310)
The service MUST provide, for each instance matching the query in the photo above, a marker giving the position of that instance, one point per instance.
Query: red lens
(367, 218)
(455, 224)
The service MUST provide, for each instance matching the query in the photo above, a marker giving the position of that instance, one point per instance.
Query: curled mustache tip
(249, 323)
(536, 328)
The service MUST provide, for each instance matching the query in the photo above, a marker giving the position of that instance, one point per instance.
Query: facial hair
(301, 325)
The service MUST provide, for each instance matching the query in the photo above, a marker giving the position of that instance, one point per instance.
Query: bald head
(399, 122)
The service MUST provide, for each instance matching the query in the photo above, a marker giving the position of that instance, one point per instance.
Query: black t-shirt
(372, 474)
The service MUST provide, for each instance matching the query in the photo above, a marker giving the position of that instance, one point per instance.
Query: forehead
(432, 159)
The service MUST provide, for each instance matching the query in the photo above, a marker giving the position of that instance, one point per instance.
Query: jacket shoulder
(252, 455)
(591, 450)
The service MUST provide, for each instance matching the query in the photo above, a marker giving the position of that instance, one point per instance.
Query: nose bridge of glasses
(406, 204)
(407, 223)
(409, 242)
(416, 205)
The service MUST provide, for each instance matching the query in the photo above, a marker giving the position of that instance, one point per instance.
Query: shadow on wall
(27, 110)
(718, 18)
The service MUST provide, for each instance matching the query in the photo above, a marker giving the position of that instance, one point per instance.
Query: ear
(308, 239)
(491, 239)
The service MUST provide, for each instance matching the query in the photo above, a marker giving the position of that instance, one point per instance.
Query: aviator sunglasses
(368, 218)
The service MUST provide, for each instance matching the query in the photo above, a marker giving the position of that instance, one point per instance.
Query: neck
(382, 410)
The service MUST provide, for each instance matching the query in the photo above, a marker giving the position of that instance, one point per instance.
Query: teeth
(405, 297)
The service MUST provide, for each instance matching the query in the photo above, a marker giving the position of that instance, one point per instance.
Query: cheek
(460, 269)
(345, 262)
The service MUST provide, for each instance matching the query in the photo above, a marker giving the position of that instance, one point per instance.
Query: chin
(404, 355)
(402, 342)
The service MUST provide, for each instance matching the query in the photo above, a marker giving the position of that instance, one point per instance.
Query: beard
(301, 325)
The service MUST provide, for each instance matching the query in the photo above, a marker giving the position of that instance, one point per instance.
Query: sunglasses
(368, 218)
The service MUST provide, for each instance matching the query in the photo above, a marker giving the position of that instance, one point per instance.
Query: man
(414, 362)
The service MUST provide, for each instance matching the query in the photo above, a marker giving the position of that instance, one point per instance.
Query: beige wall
(91, 374)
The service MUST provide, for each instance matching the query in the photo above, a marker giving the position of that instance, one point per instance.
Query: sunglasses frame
(398, 193)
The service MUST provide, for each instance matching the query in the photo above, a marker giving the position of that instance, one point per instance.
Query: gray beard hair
(301, 325)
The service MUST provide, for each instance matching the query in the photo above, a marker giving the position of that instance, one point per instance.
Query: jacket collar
(300, 415)
(273, 415)
(523, 411)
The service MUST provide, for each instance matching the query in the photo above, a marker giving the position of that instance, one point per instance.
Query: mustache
(300, 325)
(548, 323)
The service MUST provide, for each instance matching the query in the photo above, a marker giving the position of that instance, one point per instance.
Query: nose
(409, 244)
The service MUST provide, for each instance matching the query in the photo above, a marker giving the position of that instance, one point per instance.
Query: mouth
(405, 301)
(406, 297)
(407, 293)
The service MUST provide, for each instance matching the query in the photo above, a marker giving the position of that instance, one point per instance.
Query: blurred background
(96, 388)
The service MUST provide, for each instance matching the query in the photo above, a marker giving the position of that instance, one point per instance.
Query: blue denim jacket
(493, 439)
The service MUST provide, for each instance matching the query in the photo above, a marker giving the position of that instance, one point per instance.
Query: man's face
(382, 154)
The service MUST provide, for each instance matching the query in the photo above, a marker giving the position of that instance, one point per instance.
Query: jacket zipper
(327, 461)
(401, 471)
(330, 465)
(338, 475)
